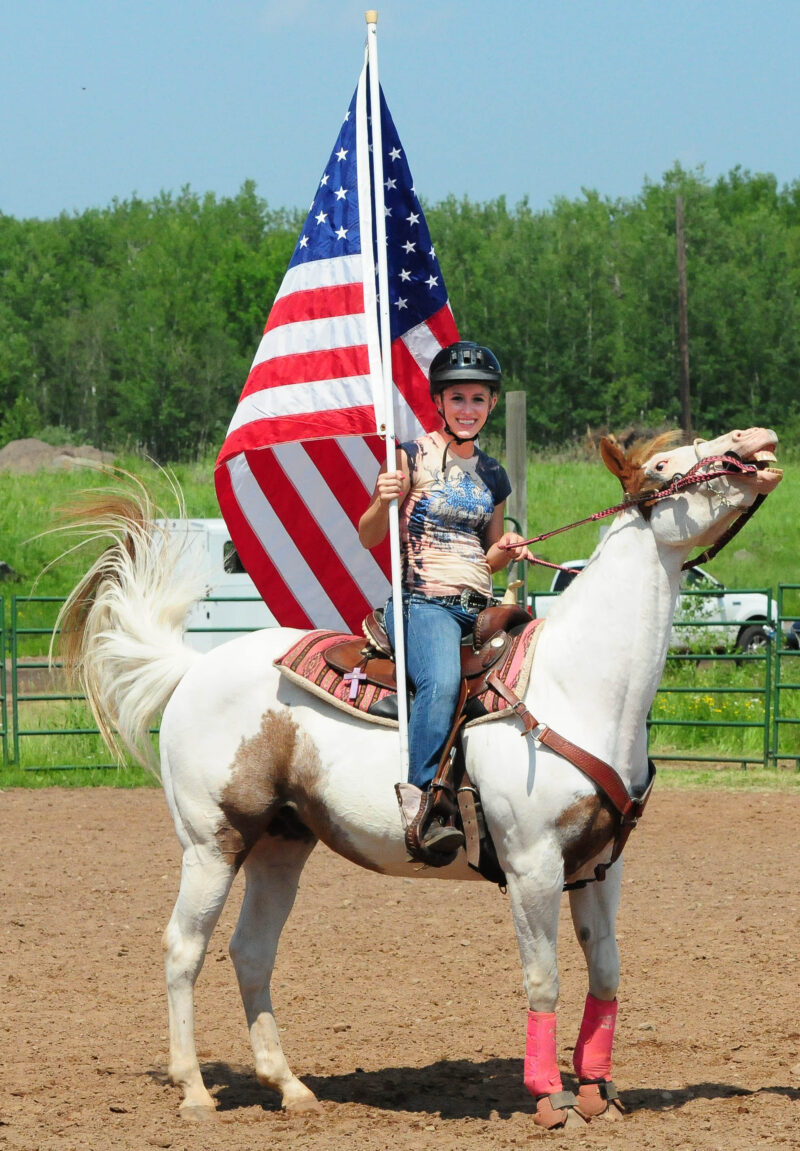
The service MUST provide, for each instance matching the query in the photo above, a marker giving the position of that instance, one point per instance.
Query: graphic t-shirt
(444, 517)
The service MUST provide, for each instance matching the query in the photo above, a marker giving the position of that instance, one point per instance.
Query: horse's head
(695, 491)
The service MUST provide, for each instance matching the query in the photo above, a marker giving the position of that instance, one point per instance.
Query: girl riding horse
(452, 504)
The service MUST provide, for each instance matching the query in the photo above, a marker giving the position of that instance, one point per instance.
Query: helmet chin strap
(458, 439)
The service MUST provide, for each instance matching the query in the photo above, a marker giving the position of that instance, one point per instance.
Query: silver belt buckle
(467, 596)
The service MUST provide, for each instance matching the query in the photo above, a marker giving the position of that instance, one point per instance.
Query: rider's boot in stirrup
(427, 818)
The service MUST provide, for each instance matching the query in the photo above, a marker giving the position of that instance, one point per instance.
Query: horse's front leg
(535, 895)
(594, 913)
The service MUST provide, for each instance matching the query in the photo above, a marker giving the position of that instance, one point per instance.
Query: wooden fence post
(517, 460)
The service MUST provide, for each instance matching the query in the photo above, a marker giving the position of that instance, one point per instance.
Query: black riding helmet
(462, 362)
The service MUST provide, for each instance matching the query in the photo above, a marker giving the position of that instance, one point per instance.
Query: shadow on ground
(452, 1089)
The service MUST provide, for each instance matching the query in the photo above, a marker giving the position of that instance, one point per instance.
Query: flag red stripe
(340, 476)
(305, 367)
(348, 488)
(413, 385)
(316, 303)
(271, 586)
(443, 326)
(377, 446)
(289, 429)
(309, 538)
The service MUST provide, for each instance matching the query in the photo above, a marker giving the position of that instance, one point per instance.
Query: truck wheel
(752, 639)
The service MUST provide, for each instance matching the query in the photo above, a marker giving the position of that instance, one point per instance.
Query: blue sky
(538, 98)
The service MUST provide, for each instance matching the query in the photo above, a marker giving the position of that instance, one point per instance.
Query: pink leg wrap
(592, 1056)
(542, 1076)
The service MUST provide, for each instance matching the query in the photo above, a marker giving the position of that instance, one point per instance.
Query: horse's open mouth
(764, 462)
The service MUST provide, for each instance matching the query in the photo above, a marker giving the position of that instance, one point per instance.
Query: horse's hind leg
(206, 879)
(272, 872)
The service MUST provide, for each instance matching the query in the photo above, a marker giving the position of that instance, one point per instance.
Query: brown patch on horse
(274, 790)
(584, 829)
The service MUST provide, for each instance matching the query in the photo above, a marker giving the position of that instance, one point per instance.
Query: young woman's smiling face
(466, 408)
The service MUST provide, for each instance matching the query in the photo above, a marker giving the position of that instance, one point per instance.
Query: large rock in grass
(25, 457)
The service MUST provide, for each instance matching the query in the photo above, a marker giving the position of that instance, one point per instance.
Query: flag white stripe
(362, 460)
(422, 344)
(406, 424)
(297, 399)
(327, 511)
(283, 552)
(305, 336)
(321, 274)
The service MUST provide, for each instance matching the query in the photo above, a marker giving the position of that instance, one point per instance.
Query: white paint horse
(256, 770)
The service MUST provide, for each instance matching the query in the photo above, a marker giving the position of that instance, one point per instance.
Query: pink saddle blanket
(305, 664)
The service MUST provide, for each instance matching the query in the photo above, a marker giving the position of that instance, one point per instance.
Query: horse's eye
(661, 465)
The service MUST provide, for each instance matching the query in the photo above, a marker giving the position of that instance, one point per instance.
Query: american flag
(302, 451)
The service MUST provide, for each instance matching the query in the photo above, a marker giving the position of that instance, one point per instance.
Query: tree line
(135, 325)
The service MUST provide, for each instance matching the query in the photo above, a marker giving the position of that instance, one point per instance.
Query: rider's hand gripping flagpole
(388, 386)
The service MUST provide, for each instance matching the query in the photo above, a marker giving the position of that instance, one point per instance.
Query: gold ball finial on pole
(371, 16)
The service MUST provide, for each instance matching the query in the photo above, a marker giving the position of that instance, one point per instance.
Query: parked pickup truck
(743, 620)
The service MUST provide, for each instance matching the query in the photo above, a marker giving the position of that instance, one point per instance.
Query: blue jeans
(433, 634)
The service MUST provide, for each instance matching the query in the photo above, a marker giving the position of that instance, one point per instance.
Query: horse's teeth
(765, 455)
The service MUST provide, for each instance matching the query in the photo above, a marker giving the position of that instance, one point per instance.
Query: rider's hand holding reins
(508, 549)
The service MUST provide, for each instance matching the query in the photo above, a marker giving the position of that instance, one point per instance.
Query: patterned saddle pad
(305, 664)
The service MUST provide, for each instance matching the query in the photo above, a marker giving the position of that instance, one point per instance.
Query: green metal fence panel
(42, 708)
(725, 695)
(730, 706)
(723, 713)
(785, 741)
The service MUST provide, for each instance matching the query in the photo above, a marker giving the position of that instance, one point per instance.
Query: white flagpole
(388, 385)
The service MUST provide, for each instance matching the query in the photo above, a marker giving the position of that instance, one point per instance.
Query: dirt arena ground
(400, 1002)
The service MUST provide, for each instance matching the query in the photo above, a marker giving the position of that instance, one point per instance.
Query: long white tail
(121, 629)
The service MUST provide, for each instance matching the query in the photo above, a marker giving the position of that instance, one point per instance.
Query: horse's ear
(615, 460)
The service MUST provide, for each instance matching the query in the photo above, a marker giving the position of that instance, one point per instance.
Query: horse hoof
(303, 1105)
(304, 1108)
(197, 1113)
(599, 1101)
(556, 1118)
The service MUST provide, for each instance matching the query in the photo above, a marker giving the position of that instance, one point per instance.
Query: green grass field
(560, 490)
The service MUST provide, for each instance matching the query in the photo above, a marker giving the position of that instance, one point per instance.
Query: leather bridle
(731, 465)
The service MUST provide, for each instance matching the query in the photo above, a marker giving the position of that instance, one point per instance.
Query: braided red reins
(692, 478)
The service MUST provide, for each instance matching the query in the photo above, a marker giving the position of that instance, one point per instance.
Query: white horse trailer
(232, 605)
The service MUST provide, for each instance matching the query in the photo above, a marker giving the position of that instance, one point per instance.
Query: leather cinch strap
(603, 774)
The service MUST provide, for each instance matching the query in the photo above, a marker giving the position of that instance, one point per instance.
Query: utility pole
(683, 319)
